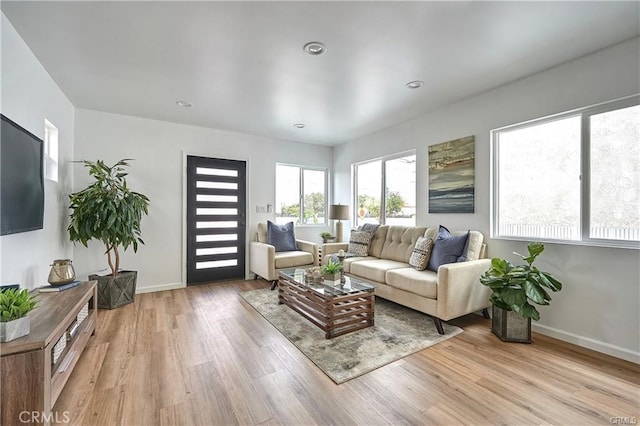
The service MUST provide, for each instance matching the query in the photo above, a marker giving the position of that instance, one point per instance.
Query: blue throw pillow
(447, 249)
(281, 236)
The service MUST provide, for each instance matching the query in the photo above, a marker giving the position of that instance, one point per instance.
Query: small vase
(62, 272)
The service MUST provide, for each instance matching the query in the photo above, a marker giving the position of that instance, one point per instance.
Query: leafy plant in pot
(15, 304)
(108, 211)
(327, 237)
(514, 290)
(332, 271)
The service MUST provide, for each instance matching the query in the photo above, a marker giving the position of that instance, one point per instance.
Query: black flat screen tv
(21, 179)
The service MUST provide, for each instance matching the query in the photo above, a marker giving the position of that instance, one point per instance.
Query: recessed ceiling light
(299, 125)
(185, 104)
(315, 48)
(415, 84)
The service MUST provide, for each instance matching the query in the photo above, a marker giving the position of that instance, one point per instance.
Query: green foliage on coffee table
(332, 267)
(108, 211)
(15, 304)
(513, 287)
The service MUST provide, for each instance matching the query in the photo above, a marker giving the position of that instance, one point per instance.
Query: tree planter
(510, 326)
(118, 291)
(12, 330)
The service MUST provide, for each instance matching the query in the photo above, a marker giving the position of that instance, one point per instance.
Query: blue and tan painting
(452, 176)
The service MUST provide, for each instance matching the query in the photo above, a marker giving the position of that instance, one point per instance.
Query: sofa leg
(255, 277)
(438, 323)
(274, 284)
(485, 313)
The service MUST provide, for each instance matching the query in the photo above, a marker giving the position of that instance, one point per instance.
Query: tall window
(50, 151)
(385, 191)
(301, 186)
(573, 177)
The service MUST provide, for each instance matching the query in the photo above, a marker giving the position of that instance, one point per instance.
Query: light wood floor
(202, 356)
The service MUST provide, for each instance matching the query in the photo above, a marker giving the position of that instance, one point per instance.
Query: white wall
(598, 307)
(28, 96)
(158, 149)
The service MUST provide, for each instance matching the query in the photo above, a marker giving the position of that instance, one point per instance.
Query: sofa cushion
(375, 269)
(421, 253)
(447, 248)
(422, 283)
(289, 259)
(262, 232)
(400, 241)
(378, 241)
(474, 245)
(281, 236)
(348, 261)
(359, 243)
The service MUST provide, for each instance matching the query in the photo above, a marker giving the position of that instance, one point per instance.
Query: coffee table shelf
(336, 310)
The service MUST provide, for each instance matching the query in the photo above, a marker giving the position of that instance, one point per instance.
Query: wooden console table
(31, 382)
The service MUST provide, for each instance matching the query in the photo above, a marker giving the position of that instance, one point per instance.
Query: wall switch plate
(261, 209)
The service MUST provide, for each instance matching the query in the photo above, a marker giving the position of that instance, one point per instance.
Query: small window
(301, 186)
(50, 151)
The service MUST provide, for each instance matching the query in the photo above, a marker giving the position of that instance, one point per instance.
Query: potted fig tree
(109, 211)
(514, 291)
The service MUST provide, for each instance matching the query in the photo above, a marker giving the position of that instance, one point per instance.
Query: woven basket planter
(510, 326)
(116, 292)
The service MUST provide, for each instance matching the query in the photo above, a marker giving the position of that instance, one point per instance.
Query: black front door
(216, 219)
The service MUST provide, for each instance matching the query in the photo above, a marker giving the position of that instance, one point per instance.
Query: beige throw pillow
(421, 253)
(359, 243)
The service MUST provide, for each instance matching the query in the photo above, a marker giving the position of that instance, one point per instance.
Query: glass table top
(349, 286)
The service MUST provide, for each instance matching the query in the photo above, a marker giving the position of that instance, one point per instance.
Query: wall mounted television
(21, 179)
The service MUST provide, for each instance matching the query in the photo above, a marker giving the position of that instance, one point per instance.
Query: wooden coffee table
(337, 310)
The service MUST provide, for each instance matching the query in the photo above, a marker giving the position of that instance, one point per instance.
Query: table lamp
(338, 212)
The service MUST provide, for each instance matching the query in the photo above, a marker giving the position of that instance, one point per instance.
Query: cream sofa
(453, 291)
(265, 262)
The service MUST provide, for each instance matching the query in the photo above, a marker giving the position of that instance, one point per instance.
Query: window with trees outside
(385, 191)
(573, 177)
(301, 186)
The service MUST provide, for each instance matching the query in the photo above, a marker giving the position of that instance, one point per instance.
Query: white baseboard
(159, 287)
(588, 343)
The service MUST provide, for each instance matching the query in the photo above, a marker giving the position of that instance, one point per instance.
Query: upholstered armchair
(265, 261)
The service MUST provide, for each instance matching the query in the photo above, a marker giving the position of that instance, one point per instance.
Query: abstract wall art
(452, 176)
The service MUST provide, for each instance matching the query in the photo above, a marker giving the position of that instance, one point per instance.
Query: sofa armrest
(459, 289)
(309, 247)
(332, 248)
(262, 260)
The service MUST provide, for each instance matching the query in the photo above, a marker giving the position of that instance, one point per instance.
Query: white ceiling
(242, 66)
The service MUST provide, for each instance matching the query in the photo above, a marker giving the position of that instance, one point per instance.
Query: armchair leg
(485, 313)
(438, 323)
(274, 284)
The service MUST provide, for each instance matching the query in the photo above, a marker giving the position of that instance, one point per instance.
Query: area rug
(398, 332)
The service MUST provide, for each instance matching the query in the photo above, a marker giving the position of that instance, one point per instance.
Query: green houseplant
(15, 304)
(332, 271)
(515, 290)
(108, 211)
(327, 237)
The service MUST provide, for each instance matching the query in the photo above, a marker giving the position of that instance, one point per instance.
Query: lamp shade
(339, 212)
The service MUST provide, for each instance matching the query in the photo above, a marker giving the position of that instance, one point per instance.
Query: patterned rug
(398, 332)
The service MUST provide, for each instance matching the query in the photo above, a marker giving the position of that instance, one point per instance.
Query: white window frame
(383, 198)
(301, 170)
(51, 149)
(585, 163)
